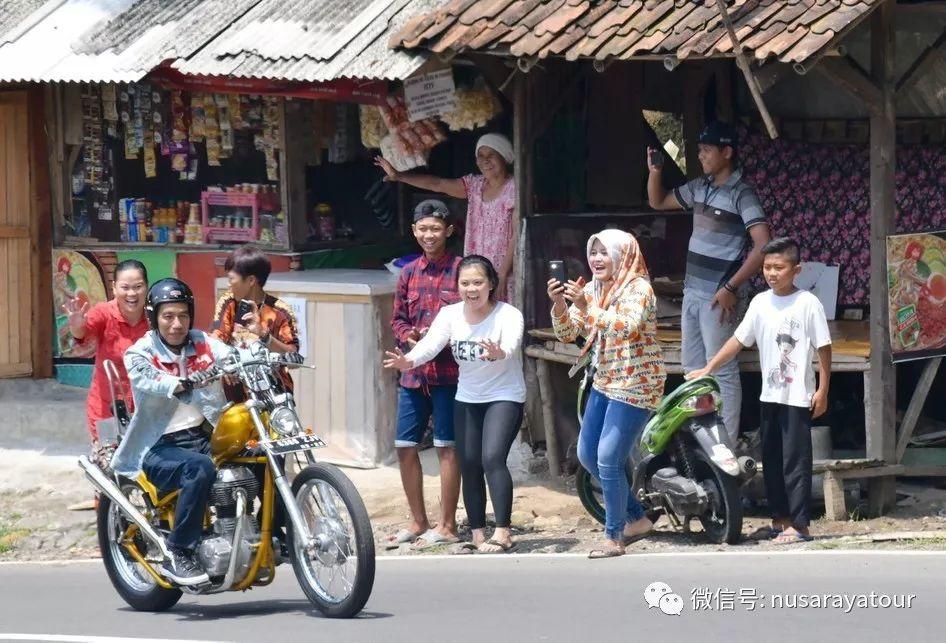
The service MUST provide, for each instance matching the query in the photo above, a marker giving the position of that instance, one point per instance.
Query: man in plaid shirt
(425, 285)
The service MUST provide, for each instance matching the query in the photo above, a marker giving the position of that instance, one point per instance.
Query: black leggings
(484, 435)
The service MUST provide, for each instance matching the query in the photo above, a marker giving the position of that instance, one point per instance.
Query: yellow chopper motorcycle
(329, 538)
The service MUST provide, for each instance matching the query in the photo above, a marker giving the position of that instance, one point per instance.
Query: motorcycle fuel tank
(234, 429)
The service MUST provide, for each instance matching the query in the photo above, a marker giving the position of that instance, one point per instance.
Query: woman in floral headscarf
(617, 314)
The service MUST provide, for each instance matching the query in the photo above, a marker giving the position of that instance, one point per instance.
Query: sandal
(402, 536)
(609, 552)
(463, 548)
(432, 538)
(503, 547)
(785, 538)
(633, 539)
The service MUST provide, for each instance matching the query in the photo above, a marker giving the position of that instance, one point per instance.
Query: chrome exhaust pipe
(747, 465)
(101, 482)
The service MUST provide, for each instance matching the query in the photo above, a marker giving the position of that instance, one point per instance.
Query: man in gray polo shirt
(727, 215)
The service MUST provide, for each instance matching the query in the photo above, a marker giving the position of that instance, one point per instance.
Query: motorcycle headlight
(284, 422)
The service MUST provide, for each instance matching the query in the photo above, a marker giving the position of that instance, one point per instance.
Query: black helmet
(168, 291)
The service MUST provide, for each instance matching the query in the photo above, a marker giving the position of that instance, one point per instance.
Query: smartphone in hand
(557, 271)
(656, 157)
(244, 307)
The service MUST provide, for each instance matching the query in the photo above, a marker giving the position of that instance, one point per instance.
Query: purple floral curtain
(820, 194)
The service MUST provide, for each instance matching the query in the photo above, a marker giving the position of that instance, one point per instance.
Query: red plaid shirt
(422, 289)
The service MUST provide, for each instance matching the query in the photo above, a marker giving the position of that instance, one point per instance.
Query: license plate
(295, 443)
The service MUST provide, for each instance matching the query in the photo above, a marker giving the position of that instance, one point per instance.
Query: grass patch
(9, 535)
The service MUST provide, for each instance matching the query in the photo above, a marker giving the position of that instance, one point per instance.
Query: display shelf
(236, 200)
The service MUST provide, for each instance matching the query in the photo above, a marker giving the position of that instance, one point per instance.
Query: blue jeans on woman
(608, 432)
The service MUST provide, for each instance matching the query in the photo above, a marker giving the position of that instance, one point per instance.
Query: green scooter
(683, 464)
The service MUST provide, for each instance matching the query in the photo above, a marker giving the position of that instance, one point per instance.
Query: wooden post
(292, 153)
(916, 405)
(881, 405)
(41, 240)
(548, 417)
(834, 506)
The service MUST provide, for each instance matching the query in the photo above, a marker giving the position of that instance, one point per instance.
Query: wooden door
(16, 296)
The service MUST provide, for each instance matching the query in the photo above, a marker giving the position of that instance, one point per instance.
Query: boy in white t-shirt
(788, 324)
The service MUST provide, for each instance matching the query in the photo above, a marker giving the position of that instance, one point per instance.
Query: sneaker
(182, 569)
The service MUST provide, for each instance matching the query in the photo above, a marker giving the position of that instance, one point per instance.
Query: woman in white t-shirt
(485, 336)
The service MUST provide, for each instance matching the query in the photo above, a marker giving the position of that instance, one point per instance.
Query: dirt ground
(36, 492)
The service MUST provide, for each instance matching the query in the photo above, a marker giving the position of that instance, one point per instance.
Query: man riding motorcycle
(176, 391)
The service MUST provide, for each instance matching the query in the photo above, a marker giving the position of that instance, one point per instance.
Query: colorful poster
(916, 279)
(76, 276)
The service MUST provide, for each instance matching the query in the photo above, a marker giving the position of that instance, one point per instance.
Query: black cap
(431, 208)
(719, 134)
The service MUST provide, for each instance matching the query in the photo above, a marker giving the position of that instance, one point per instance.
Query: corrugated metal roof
(13, 12)
(315, 42)
(42, 50)
(123, 40)
(792, 31)
(110, 40)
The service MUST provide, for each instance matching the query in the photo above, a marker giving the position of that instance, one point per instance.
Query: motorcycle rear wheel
(333, 509)
(724, 522)
(131, 581)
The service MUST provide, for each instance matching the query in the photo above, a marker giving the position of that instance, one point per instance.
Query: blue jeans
(703, 335)
(414, 408)
(180, 460)
(608, 432)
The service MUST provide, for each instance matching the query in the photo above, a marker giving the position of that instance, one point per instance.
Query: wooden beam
(917, 400)
(846, 76)
(921, 65)
(743, 63)
(881, 402)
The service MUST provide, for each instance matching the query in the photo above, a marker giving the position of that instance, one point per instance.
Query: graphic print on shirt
(467, 350)
(784, 374)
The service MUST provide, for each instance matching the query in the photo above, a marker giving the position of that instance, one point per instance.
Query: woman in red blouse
(114, 325)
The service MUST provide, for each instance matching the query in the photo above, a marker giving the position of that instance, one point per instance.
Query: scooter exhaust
(747, 465)
(101, 482)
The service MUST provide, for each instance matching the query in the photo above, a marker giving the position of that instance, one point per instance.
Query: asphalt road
(521, 598)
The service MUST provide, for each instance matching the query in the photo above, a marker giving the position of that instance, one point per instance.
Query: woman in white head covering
(491, 230)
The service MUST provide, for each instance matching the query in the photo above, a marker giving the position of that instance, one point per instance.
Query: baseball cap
(431, 208)
(720, 134)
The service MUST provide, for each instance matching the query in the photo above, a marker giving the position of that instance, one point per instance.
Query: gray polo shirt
(722, 216)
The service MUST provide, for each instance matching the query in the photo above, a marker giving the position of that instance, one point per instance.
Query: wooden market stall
(596, 66)
(175, 150)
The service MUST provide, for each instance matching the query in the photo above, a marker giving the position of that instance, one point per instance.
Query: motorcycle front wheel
(722, 521)
(132, 582)
(337, 575)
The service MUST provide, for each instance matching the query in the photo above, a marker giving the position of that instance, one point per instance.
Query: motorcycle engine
(685, 496)
(214, 552)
